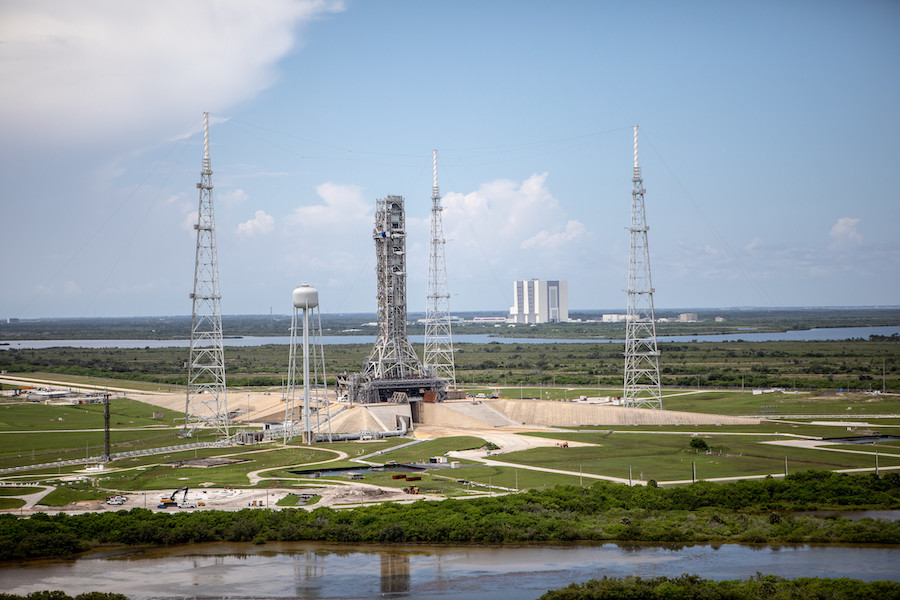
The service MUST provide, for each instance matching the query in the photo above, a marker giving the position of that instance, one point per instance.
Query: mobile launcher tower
(392, 372)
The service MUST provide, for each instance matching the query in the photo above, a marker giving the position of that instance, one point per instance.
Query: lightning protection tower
(438, 356)
(315, 392)
(642, 388)
(206, 404)
(393, 356)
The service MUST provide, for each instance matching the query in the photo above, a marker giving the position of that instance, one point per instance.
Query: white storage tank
(306, 296)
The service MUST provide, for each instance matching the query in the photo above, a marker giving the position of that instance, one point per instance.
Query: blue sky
(770, 143)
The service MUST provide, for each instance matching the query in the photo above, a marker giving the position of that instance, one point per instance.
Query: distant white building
(540, 301)
(488, 320)
(688, 318)
(614, 318)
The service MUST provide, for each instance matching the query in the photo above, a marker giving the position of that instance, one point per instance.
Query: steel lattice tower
(438, 356)
(642, 388)
(206, 401)
(393, 356)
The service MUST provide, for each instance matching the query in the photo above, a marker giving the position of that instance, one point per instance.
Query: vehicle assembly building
(540, 301)
(392, 372)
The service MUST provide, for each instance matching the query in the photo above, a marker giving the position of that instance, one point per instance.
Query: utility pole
(642, 387)
(106, 428)
(206, 402)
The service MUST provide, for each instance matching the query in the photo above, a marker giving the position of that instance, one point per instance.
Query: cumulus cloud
(844, 233)
(260, 224)
(93, 70)
(505, 210)
(342, 204)
(552, 240)
(517, 226)
(331, 241)
(233, 197)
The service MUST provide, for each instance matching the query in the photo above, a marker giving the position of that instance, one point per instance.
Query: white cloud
(754, 245)
(343, 204)
(92, 70)
(559, 239)
(502, 209)
(189, 220)
(844, 233)
(519, 225)
(330, 243)
(233, 197)
(260, 224)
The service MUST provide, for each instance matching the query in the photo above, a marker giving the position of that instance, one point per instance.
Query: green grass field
(32, 433)
(775, 405)
(666, 457)
(123, 412)
(163, 476)
(11, 503)
(8, 490)
(18, 449)
(76, 493)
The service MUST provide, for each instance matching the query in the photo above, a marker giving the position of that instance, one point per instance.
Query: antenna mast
(206, 402)
(642, 389)
(438, 356)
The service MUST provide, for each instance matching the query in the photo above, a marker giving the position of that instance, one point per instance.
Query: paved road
(32, 498)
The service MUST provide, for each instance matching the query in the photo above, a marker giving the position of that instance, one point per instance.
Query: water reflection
(309, 573)
(394, 573)
(334, 572)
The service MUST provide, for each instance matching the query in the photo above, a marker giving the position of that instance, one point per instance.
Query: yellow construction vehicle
(168, 501)
(413, 489)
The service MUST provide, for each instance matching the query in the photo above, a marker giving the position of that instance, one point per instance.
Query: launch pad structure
(392, 371)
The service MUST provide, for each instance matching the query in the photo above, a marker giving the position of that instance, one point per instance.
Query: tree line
(692, 587)
(850, 364)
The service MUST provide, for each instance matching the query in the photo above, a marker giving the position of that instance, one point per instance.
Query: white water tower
(306, 302)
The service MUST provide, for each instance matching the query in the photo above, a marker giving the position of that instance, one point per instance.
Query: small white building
(614, 318)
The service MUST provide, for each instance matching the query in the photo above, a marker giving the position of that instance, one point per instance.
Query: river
(825, 333)
(332, 572)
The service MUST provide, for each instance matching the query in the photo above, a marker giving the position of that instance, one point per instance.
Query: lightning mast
(642, 389)
(438, 356)
(206, 401)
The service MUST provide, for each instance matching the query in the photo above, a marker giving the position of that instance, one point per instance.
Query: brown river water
(343, 572)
